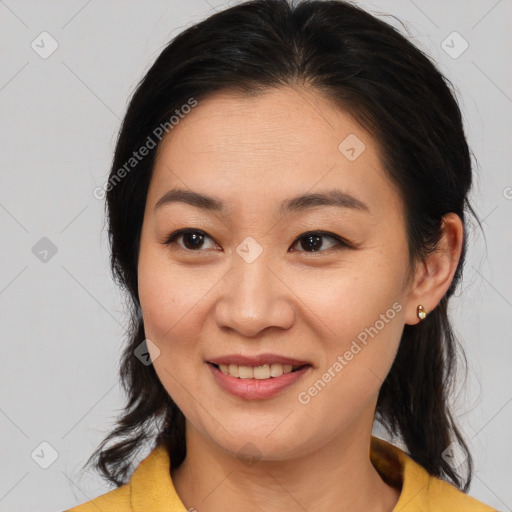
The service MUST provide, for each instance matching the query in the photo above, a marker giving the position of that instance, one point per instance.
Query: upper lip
(256, 360)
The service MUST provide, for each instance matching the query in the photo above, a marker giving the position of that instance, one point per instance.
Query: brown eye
(192, 240)
(314, 241)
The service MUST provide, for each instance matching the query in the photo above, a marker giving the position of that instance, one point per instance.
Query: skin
(253, 153)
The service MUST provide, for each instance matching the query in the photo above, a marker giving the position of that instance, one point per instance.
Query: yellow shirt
(150, 488)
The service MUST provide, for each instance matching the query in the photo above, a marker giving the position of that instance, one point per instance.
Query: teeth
(245, 372)
(232, 370)
(259, 372)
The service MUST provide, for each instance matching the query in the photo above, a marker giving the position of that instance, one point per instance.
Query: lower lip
(256, 389)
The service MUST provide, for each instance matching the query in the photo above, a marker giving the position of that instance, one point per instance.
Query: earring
(420, 311)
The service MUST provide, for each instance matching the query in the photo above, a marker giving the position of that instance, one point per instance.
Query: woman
(287, 209)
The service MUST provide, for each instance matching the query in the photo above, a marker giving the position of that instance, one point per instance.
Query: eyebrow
(304, 202)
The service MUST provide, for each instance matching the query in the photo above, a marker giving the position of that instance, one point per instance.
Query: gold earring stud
(420, 311)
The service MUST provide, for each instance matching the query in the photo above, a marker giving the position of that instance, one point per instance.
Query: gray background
(61, 316)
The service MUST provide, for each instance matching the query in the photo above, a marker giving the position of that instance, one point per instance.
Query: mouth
(260, 372)
(257, 380)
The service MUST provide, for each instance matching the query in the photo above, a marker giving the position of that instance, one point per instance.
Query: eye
(193, 239)
(314, 241)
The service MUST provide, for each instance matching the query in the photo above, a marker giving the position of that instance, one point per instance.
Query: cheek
(170, 309)
(353, 297)
(168, 295)
(360, 311)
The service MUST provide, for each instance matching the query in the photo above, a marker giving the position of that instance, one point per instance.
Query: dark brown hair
(395, 91)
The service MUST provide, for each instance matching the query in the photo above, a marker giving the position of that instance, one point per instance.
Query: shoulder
(150, 489)
(113, 501)
(442, 496)
(420, 491)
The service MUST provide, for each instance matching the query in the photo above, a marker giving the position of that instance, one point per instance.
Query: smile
(258, 382)
(266, 371)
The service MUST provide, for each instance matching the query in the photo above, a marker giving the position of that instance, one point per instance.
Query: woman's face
(253, 278)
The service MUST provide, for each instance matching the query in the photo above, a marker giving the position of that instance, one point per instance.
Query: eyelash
(341, 243)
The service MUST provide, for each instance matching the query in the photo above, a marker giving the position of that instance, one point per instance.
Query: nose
(254, 298)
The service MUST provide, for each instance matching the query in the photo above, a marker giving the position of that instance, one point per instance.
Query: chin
(259, 442)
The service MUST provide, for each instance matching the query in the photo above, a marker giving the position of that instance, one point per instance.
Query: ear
(433, 276)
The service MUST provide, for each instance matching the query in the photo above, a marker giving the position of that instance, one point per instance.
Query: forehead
(270, 146)
(283, 121)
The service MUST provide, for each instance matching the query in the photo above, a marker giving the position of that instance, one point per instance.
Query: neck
(337, 476)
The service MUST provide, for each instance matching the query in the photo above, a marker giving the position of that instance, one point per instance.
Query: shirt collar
(151, 486)
(152, 489)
